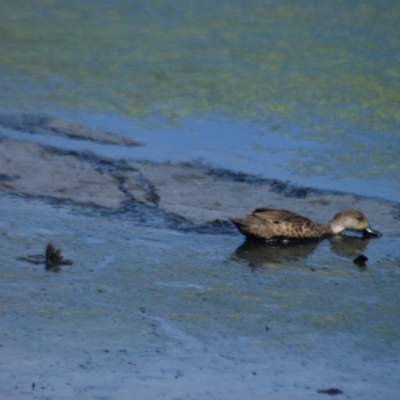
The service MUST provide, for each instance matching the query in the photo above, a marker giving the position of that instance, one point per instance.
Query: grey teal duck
(278, 224)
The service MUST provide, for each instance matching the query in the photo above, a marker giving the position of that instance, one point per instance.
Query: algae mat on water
(336, 62)
(326, 72)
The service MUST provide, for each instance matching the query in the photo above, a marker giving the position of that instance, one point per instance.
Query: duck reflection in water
(258, 252)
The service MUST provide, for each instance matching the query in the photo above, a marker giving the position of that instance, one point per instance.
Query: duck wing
(277, 215)
(268, 223)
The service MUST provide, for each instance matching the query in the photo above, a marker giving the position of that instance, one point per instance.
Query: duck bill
(368, 231)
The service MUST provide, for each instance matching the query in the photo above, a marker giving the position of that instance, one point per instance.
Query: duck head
(353, 220)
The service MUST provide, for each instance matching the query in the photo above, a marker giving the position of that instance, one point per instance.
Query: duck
(279, 225)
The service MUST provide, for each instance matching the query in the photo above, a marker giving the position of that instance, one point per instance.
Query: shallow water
(157, 304)
(173, 314)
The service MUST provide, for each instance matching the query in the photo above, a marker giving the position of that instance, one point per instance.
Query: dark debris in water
(330, 392)
(52, 259)
(360, 261)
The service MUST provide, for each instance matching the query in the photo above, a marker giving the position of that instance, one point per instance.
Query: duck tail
(243, 225)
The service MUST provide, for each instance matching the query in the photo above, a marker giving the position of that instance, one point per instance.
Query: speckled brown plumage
(267, 223)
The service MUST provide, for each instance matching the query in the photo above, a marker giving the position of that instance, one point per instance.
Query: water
(306, 92)
(168, 314)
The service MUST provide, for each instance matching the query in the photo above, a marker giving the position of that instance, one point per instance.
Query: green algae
(329, 68)
(337, 61)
